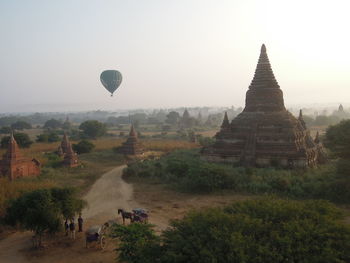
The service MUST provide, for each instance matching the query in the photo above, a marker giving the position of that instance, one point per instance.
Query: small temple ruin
(14, 165)
(65, 150)
(265, 133)
(132, 146)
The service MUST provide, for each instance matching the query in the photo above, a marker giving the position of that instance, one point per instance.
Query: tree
(22, 140)
(5, 130)
(93, 129)
(48, 137)
(84, 146)
(338, 139)
(53, 124)
(21, 125)
(172, 118)
(42, 210)
(262, 230)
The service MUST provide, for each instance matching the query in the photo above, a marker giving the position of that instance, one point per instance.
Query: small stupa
(65, 150)
(132, 146)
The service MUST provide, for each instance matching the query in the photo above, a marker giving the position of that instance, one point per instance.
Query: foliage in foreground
(42, 210)
(265, 230)
(185, 171)
(139, 243)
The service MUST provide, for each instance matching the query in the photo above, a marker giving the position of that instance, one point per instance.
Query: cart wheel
(103, 242)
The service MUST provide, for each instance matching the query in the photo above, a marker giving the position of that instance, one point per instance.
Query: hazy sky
(170, 52)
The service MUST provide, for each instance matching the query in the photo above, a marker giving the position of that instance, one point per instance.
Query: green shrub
(263, 230)
(185, 171)
(84, 146)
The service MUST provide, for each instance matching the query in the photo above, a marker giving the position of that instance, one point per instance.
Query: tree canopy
(93, 129)
(338, 139)
(84, 146)
(53, 124)
(43, 210)
(21, 125)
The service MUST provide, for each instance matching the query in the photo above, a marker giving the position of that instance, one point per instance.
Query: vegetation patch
(185, 171)
(262, 230)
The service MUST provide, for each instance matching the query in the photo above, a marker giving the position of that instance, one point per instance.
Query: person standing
(80, 223)
(72, 229)
(66, 227)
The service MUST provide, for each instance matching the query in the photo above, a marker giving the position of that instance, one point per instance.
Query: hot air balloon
(111, 80)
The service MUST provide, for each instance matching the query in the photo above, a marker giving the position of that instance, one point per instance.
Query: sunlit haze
(171, 53)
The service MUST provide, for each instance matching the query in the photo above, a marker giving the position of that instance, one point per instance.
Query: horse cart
(96, 235)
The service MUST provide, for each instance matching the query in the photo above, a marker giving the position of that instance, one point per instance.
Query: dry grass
(107, 143)
(10, 190)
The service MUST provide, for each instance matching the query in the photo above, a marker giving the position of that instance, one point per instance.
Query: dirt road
(108, 194)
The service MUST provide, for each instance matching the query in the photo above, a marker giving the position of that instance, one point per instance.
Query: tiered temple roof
(132, 146)
(70, 158)
(265, 133)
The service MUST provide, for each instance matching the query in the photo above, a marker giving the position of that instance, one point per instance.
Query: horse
(127, 215)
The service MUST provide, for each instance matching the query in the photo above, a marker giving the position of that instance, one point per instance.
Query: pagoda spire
(132, 131)
(317, 138)
(13, 152)
(301, 119)
(225, 123)
(264, 77)
(264, 93)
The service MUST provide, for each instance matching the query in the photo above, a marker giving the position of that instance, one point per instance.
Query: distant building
(340, 108)
(265, 133)
(132, 146)
(14, 165)
(65, 150)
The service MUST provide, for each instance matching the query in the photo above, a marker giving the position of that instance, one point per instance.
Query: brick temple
(65, 150)
(132, 146)
(14, 165)
(265, 133)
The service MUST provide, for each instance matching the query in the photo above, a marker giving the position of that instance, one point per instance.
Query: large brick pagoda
(265, 133)
(15, 165)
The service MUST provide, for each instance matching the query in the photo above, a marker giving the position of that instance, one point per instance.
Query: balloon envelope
(111, 80)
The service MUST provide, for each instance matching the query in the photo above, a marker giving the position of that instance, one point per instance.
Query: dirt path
(108, 194)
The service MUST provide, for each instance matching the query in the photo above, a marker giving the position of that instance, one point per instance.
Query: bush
(84, 146)
(139, 243)
(263, 230)
(185, 171)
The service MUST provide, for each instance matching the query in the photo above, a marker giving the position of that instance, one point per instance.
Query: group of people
(70, 228)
